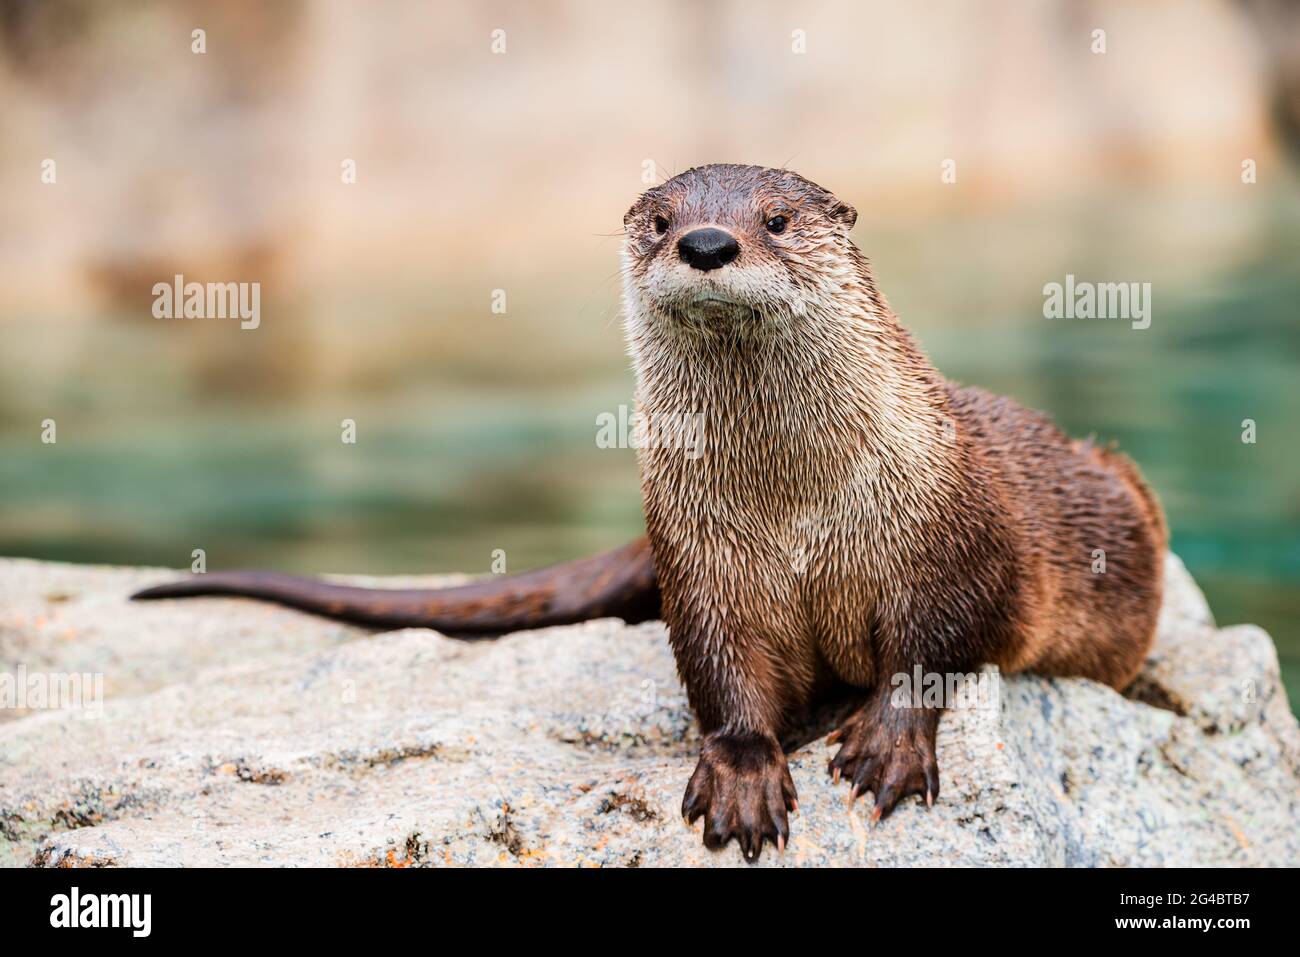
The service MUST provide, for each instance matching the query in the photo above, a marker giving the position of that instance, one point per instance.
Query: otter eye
(777, 224)
(661, 225)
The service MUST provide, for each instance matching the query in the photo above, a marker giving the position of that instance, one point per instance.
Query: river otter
(853, 515)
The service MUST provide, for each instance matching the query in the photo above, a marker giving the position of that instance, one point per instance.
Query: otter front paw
(888, 751)
(743, 789)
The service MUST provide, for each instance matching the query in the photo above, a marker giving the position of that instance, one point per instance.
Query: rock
(238, 733)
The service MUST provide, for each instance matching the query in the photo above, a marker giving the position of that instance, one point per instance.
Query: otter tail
(618, 584)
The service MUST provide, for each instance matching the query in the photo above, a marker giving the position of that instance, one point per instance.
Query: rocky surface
(236, 733)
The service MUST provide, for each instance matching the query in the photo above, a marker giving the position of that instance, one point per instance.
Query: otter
(854, 515)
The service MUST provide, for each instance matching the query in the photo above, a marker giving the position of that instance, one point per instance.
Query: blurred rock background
(479, 171)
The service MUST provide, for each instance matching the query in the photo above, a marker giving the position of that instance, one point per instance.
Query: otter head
(727, 249)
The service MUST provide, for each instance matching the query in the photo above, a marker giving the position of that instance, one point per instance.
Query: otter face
(724, 248)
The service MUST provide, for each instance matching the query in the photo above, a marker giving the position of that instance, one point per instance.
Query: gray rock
(238, 733)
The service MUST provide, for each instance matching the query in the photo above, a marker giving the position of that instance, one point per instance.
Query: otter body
(852, 515)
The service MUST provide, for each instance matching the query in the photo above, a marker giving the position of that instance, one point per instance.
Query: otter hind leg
(1106, 582)
(1110, 650)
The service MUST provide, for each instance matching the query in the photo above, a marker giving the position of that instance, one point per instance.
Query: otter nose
(708, 248)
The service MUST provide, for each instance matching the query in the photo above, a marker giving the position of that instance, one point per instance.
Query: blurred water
(457, 457)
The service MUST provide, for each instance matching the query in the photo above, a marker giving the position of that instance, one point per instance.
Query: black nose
(708, 248)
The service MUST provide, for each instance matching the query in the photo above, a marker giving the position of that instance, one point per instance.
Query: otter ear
(844, 213)
(635, 211)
